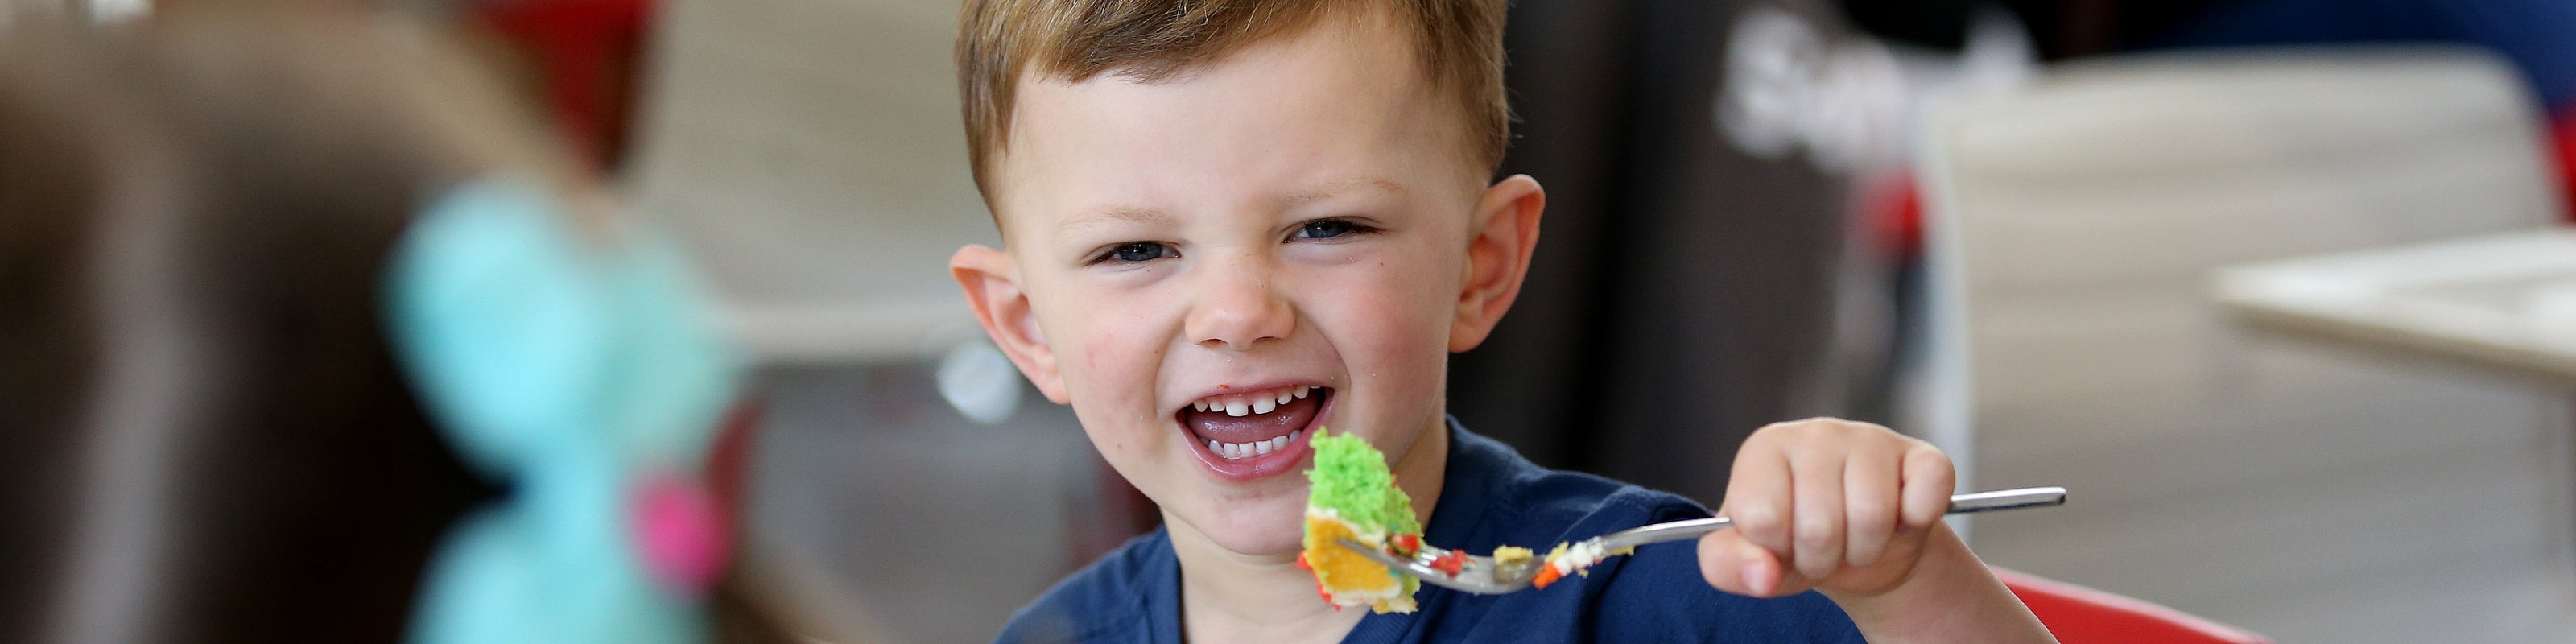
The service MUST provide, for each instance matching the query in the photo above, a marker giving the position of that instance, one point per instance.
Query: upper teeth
(1239, 405)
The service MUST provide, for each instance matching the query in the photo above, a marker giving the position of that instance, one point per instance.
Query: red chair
(587, 55)
(2079, 615)
(2563, 140)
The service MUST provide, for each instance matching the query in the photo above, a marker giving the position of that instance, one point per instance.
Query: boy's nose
(1238, 310)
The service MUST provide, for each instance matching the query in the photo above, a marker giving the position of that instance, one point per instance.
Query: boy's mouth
(1256, 433)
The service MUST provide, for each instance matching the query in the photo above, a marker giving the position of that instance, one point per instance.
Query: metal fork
(1482, 575)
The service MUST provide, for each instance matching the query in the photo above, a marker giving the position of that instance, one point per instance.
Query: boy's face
(1298, 221)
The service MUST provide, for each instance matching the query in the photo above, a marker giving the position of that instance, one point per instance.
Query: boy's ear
(1497, 257)
(993, 289)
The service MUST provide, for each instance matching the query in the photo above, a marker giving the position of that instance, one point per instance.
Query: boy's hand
(1839, 506)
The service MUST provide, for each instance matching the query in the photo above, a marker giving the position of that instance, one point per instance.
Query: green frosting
(1351, 478)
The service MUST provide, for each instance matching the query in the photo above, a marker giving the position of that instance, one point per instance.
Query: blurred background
(2282, 290)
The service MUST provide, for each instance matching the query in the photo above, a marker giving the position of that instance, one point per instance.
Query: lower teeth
(1240, 451)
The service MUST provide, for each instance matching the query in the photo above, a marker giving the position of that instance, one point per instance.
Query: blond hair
(1458, 44)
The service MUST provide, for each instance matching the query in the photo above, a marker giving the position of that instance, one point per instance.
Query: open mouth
(1255, 433)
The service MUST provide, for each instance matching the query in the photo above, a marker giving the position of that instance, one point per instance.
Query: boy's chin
(1264, 529)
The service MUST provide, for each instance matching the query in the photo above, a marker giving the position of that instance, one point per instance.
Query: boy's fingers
(1928, 480)
(1817, 515)
(1757, 498)
(1735, 565)
(1871, 504)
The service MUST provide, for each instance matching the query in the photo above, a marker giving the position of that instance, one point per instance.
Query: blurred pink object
(681, 533)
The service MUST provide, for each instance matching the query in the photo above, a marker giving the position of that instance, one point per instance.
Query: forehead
(1343, 101)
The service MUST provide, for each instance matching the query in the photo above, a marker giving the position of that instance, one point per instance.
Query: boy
(1232, 223)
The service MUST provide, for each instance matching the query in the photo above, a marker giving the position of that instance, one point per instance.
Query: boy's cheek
(1098, 340)
(1109, 370)
(1405, 316)
(1395, 333)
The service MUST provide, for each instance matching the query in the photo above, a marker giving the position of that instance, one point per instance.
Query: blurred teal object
(578, 374)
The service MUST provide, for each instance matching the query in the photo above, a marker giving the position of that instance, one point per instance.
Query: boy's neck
(1228, 596)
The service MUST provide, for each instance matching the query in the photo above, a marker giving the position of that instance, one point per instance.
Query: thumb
(1737, 566)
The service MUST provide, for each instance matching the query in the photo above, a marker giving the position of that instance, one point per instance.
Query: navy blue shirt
(1491, 497)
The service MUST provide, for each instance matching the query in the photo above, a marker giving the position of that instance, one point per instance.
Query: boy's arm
(1853, 510)
(1950, 597)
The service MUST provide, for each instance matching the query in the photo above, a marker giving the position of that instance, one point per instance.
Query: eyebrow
(1133, 214)
(1336, 188)
(1144, 215)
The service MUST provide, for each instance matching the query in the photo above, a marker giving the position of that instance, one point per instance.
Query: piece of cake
(1567, 559)
(1351, 495)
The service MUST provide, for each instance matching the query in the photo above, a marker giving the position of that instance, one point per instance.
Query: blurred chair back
(2295, 489)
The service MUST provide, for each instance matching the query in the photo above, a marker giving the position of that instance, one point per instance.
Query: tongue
(1216, 426)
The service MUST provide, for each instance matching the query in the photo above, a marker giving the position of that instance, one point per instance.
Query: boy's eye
(1133, 252)
(1327, 229)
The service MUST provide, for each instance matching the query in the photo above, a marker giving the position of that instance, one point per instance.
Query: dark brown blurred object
(2060, 29)
(1682, 293)
(2063, 29)
(210, 440)
(770, 597)
(1102, 522)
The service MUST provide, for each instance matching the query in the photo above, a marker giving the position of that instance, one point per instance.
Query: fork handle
(1971, 503)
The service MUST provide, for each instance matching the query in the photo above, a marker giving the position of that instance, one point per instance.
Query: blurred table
(2504, 302)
